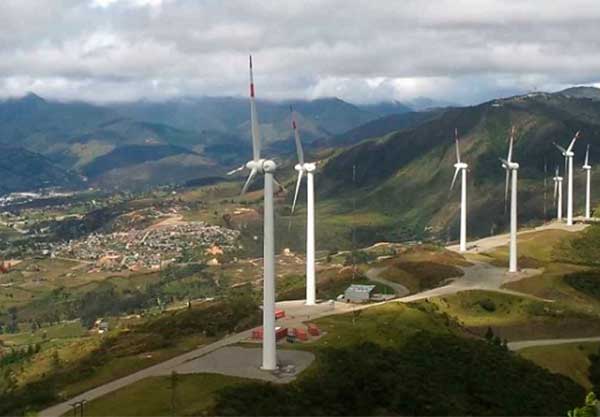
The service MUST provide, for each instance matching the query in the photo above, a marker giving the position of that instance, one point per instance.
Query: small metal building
(358, 293)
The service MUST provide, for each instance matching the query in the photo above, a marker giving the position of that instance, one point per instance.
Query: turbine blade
(587, 155)
(279, 184)
(454, 178)
(555, 190)
(249, 180)
(560, 148)
(570, 148)
(236, 170)
(457, 147)
(298, 182)
(504, 161)
(299, 149)
(254, 119)
(510, 145)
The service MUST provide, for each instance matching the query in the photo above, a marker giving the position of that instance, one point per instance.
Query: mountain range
(110, 143)
(403, 159)
(402, 177)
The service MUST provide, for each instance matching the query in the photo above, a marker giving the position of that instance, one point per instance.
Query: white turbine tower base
(568, 154)
(269, 357)
(513, 267)
(570, 189)
(512, 169)
(310, 236)
(258, 166)
(308, 168)
(462, 168)
(558, 201)
(588, 180)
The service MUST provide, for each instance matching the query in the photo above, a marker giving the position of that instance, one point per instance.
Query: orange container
(301, 334)
(313, 330)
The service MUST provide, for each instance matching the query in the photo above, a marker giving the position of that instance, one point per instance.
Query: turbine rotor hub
(262, 165)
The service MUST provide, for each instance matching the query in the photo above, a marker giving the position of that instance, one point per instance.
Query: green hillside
(405, 176)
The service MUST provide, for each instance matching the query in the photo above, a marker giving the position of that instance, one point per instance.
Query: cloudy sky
(362, 51)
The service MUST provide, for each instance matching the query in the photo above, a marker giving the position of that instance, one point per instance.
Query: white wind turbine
(568, 154)
(267, 168)
(588, 174)
(558, 193)
(309, 168)
(511, 174)
(462, 168)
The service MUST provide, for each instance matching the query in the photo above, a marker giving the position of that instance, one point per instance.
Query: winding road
(480, 275)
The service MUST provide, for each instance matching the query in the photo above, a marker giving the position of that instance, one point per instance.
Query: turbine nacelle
(588, 167)
(306, 167)
(509, 165)
(461, 165)
(261, 166)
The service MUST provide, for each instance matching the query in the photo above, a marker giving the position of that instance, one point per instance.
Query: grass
(66, 330)
(388, 325)
(194, 395)
(537, 248)
(331, 282)
(517, 318)
(569, 359)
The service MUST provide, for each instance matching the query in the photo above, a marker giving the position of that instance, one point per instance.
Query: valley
(111, 292)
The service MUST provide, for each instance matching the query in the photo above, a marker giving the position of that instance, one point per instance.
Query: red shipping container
(257, 333)
(301, 334)
(313, 330)
(280, 333)
(279, 314)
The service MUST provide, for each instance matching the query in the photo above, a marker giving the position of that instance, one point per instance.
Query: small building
(356, 293)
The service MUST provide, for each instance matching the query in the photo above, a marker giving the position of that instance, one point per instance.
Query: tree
(594, 372)
(589, 409)
(489, 335)
(55, 360)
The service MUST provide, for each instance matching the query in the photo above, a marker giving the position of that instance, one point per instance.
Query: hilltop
(403, 177)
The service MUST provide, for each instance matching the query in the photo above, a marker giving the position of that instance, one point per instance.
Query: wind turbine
(462, 168)
(568, 154)
(309, 168)
(511, 174)
(588, 173)
(558, 193)
(267, 168)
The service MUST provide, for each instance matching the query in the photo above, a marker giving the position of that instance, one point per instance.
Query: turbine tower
(308, 168)
(568, 154)
(462, 168)
(588, 179)
(267, 168)
(511, 176)
(558, 193)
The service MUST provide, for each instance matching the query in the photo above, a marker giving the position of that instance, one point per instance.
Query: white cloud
(462, 51)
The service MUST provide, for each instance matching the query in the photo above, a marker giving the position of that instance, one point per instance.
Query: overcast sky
(361, 51)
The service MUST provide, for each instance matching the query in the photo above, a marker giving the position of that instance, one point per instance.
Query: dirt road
(549, 342)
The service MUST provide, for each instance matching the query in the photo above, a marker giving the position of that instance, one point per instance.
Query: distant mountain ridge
(404, 176)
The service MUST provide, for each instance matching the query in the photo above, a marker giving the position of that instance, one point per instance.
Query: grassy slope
(194, 395)
(393, 328)
(570, 359)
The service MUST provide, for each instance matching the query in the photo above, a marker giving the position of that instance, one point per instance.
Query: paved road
(478, 276)
(492, 242)
(296, 313)
(549, 342)
(374, 275)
